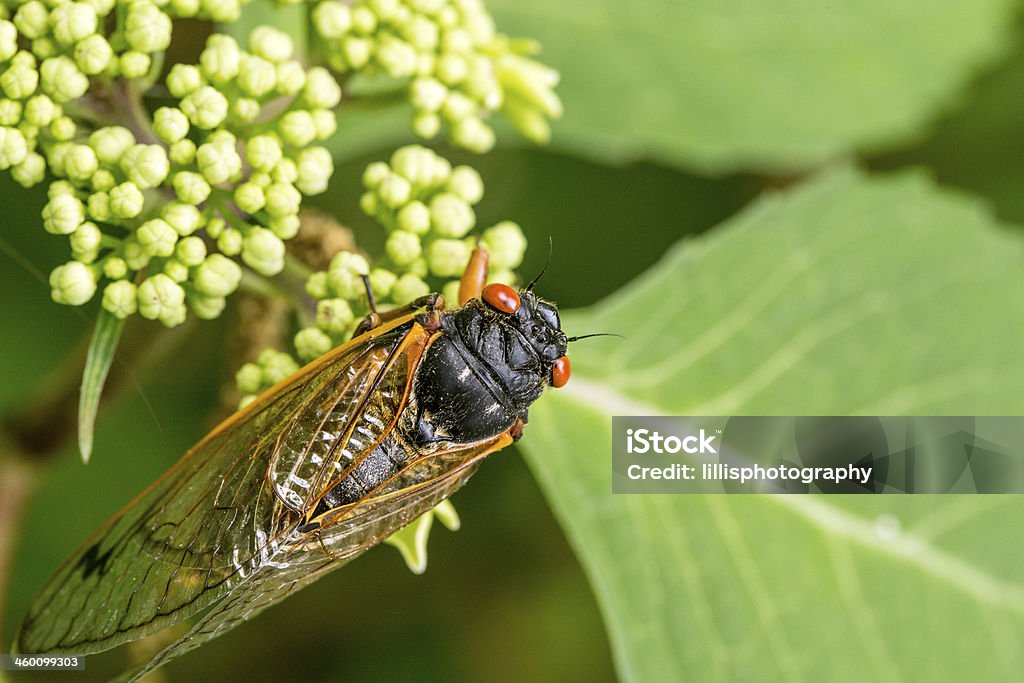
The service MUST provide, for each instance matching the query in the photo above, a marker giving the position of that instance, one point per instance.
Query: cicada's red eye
(501, 297)
(560, 372)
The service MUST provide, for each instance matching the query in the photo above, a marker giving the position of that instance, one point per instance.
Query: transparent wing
(208, 525)
(419, 487)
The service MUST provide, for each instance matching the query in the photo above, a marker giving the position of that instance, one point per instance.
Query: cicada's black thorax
(485, 370)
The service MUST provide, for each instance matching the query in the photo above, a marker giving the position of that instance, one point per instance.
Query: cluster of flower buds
(458, 67)
(221, 175)
(426, 206)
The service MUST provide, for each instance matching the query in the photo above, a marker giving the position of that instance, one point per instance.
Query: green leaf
(849, 295)
(719, 86)
(102, 347)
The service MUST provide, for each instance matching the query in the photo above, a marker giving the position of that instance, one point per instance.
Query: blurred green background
(678, 116)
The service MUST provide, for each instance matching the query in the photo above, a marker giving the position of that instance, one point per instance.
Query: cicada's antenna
(551, 248)
(595, 334)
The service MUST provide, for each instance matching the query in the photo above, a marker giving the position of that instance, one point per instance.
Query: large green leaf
(847, 295)
(786, 83)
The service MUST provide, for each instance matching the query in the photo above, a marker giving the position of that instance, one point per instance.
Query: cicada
(315, 471)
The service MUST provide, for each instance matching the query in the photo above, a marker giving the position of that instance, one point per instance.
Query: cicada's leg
(475, 276)
(516, 430)
(431, 302)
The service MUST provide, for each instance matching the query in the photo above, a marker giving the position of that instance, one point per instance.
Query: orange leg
(475, 277)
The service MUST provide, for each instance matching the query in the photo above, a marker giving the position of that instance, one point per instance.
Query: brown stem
(17, 482)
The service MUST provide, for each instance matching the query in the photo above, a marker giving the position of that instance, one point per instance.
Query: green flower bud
(13, 148)
(297, 128)
(170, 124)
(458, 106)
(529, 122)
(63, 128)
(206, 307)
(263, 152)
(245, 109)
(506, 277)
(72, 21)
(422, 33)
(316, 285)
(364, 20)
(184, 79)
(19, 81)
(334, 315)
(8, 40)
(31, 171)
(256, 76)
(217, 163)
(221, 58)
(382, 281)
(466, 183)
(135, 256)
(403, 247)
(249, 378)
(452, 69)
(408, 288)
(450, 215)
(428, 94)
(344, 275)
(414, 217)
(271, 44)
(59, 187)
(32, 19)
(98, 206)
(176, 270)
(191, 187)
(230, 242)
(119, 298)
(291, 77)
(473, 134)
(249, 197)
(282, 200)
(531, 82)
(315, 167)
(415, 163)
(24, 58)
(394, 191)
(80, 162)
(86, 239)
(44, 47)
(63, 214)
(183, 152)
(184, 8)
(159, 296)
(134, 64)
(332, 19)
(72, 283)
(448, 258)
(450, 292)
(426, 125)
(146, 28)
(368, 203)
(217, 275)
(285, 172)
(285, 227)
(263, 251)
(506, 244)
(311, 343)
(157, 237)
(10, 112)
(374, 174)
(102, 180)
(184, 218)
(223, 11)
(62, 80)
(418, 268)
(93, 55)
(321, 90)
(115, 268)
(110, 143)
(40, 110)
(396, 57)
(146, 165)
(326, 123)
(276, 366)
(357, 51)
(206, 107)
(190, 251)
